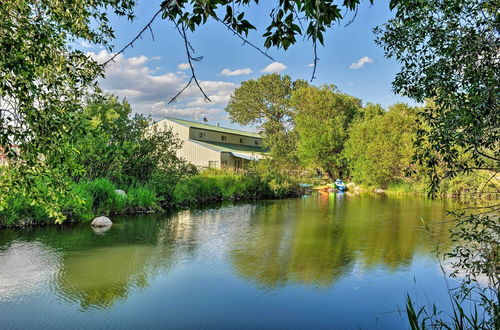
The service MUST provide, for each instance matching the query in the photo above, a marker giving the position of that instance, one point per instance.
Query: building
(213, 146)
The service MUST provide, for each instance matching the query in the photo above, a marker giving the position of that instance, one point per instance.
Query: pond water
(336, 261)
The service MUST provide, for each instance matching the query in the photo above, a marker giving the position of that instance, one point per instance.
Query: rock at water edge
(101, 222)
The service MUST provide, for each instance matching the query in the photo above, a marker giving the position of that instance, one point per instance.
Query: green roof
(214, 128)
(228, 147)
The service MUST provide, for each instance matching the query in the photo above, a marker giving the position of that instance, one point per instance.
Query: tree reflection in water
(313, 241)
(323, 237)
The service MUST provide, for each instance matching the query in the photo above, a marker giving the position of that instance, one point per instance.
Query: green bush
(77, 206)
(141, 197)
(104, 198)
(197, 189)
(19, 210)
(217, 185)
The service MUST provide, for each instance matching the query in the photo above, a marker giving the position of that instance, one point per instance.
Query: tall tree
(265, 103)
(450, 53)
(380, 145)
(42, 87)
(322, 119)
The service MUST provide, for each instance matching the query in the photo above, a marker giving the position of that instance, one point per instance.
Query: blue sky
(149, 74)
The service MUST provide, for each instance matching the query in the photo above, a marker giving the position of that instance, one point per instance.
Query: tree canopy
(42, 87)
(265, 102)
(449, 53)
(380, 145)
(322, 119)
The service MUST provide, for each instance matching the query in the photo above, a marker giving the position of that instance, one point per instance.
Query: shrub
(141, 197)
(217, 185)
(104, 198)
(77, 206)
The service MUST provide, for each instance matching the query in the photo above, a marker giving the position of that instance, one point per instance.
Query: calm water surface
(338, 261)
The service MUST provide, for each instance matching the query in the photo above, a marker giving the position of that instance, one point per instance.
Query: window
(256, 142)
(223, 138)
(201, 135)
(241, 140)
(213, 164)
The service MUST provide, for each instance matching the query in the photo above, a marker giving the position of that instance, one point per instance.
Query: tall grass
(430, 317)
(141, 197)
(217, 185)
(104, 198)
(98, 197)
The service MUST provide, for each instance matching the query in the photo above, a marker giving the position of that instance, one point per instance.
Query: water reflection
(26, 268)
(318, 240)
(313, 241)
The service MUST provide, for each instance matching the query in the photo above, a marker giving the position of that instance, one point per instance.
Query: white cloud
(361, 63)
(163, 109)
(85, 44)
(275, 67)
(310, 65)
(149, 91)
(183, 66)
(238, 72)
(219, 93)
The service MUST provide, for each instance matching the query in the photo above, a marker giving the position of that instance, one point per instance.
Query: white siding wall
(199, 155)
(194, 153)
(213, 136)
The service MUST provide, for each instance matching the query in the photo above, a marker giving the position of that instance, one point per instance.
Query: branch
(489, 180)
(131, 43)
(315, 45)
(353, 18)
(485, 155)
(245, 41)
(187, 45)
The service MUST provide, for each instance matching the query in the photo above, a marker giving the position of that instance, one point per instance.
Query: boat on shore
(340, 185)
(337, 186)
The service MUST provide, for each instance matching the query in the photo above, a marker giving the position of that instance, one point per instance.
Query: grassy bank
(213, 185)
(84, 201)
(461, 187)
(88, 199)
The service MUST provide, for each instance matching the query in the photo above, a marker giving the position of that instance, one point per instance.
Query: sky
(153, 71)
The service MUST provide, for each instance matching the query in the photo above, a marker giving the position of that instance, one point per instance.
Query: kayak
(339, 184)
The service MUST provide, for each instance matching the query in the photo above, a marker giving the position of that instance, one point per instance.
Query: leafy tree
(380, 145)
(322, 119)
(42, 86)
(128, 149)
(449, 51)
(285, 25)
(265, 102)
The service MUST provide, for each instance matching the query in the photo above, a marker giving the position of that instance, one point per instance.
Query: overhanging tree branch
(138, 36)
(190, 58)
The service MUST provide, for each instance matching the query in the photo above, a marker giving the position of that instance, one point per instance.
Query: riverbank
(464, 187)
(88, 199)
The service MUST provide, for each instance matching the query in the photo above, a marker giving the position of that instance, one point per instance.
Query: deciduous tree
(265, 103)
(322, 119)
(380, 145)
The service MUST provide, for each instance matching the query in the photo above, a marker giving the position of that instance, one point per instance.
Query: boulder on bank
(101, 222)
(120, 192)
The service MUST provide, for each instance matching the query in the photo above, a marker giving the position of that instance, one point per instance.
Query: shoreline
(358, 190)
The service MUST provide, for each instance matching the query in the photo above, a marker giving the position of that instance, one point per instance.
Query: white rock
(120, 192)
(101, 222)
